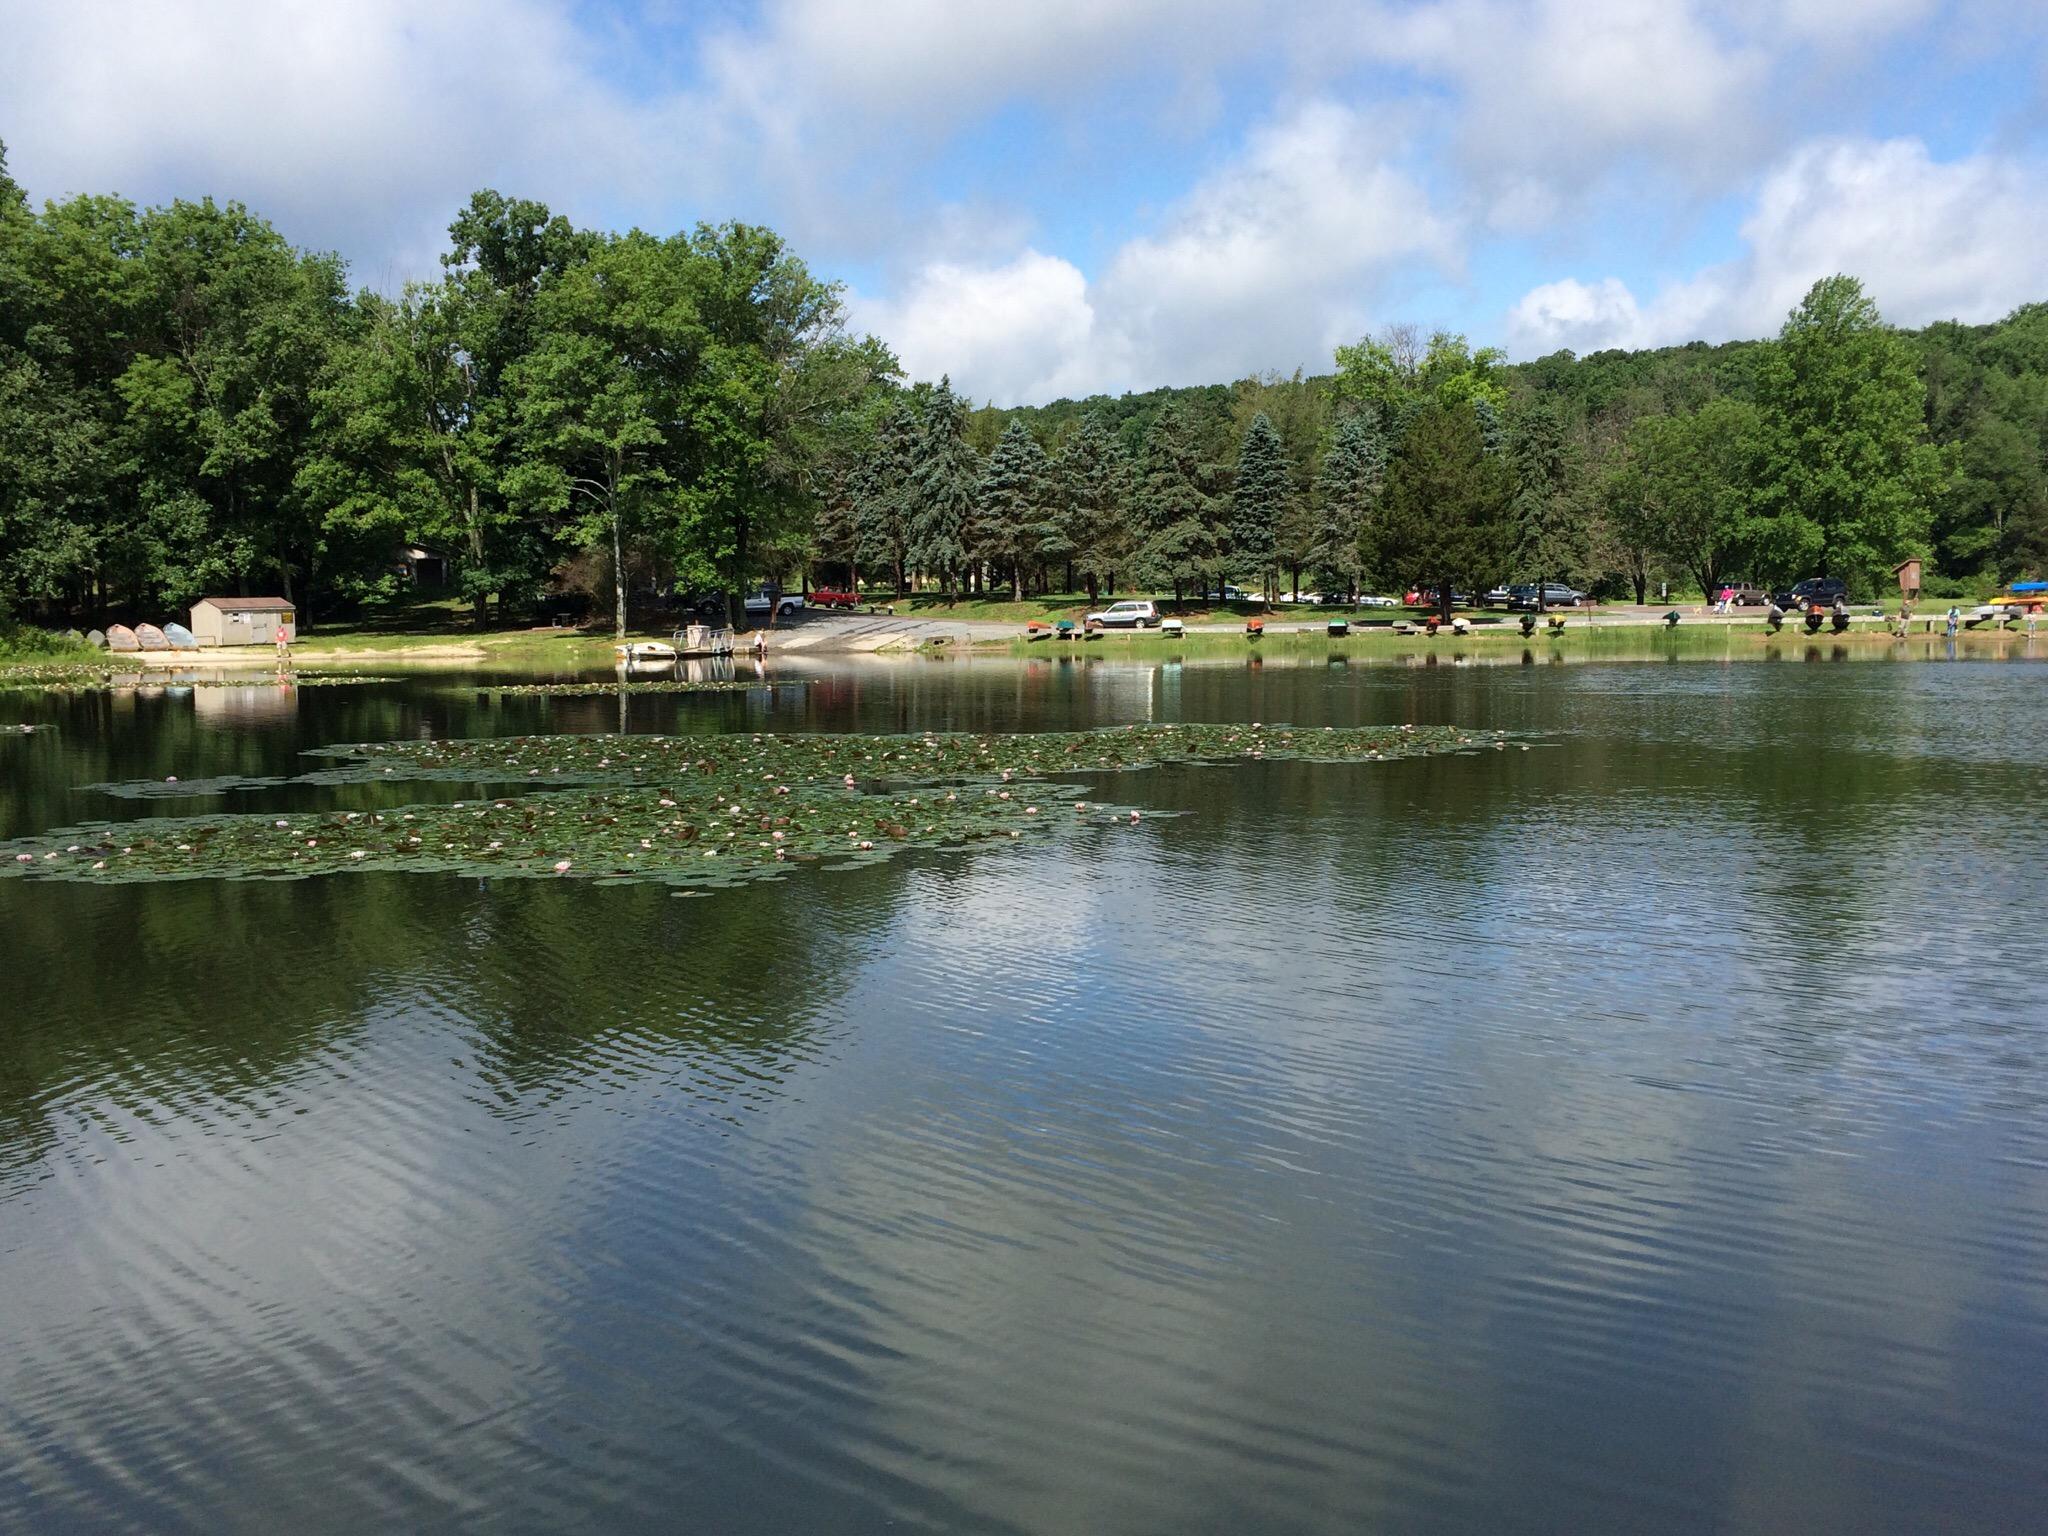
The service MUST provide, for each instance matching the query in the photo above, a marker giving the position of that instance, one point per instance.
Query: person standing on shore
(1955, 619)
(284, 644)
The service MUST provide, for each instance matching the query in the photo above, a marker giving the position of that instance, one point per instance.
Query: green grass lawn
(26, 645)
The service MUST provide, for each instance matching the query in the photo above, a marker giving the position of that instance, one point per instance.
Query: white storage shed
(242, 620)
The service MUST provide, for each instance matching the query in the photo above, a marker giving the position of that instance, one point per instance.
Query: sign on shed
(242, 620)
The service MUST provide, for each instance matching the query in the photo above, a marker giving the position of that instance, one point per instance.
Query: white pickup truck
(782, 604)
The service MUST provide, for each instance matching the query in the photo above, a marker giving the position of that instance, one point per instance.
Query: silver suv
(1134, 613)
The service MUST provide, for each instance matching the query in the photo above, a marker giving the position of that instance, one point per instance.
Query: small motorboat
(643, 653)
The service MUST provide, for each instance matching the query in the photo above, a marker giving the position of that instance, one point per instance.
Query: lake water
(1647, 1131)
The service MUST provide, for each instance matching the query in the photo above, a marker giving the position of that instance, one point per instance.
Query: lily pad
(99, 677)
(693, 811)
(631, 685)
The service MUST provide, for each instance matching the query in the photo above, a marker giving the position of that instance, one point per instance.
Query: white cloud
(1837, 20)
(1267, 263)
(363, 126)
(1272, 260)
(370, 122)
(1022, 330)
(1565, 84)
(1932, 240)
(927, 58)
(1585, 317)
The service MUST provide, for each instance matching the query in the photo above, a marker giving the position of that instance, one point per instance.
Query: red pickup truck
(828, 597)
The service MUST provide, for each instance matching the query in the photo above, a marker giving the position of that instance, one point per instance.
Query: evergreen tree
(1258, 502)
(1098, 495)
(1347, 494)
(1013, 503)
(1493, 430)
(879, 488)
(1178, 512)
(835, 534)
(1550, 537)
(1445, 517)
(941, 489)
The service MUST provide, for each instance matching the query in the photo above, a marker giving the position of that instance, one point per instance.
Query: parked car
(1237, 594)
(1741, 594)
(1132, 613)
(767, 600)
(833, 597)
(1369, 601)
(1552, 594)
(1814, 592)
(1425, 597)
(1497, 597)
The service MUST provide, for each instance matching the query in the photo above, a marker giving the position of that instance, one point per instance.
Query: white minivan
(1134, 613)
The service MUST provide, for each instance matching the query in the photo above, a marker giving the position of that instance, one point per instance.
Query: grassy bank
(25, 645)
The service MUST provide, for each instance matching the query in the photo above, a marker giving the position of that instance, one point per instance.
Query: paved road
(823, 630)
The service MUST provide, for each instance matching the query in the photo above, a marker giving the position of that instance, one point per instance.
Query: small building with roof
(243, 620)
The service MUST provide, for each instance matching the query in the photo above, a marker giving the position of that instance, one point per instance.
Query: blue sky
(1068, 195)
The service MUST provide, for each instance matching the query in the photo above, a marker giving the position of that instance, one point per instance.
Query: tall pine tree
(1445, 516)
(1258, 502)
(1178, 512)
(1550, 536)
(1347, 494)
(1013, 500)
(941, 490)
(879, 489)
(1098, 495)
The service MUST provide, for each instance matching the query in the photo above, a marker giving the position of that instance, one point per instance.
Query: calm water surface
(1645, 1131)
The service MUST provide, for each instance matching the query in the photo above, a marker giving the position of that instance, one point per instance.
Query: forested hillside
(190, 404)
(1657, 465)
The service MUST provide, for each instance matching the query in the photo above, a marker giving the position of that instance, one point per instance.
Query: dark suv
(1522, 598)
(1814, 592)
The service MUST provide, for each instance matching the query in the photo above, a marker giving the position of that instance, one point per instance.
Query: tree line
(1840, 447)
(189, 404)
